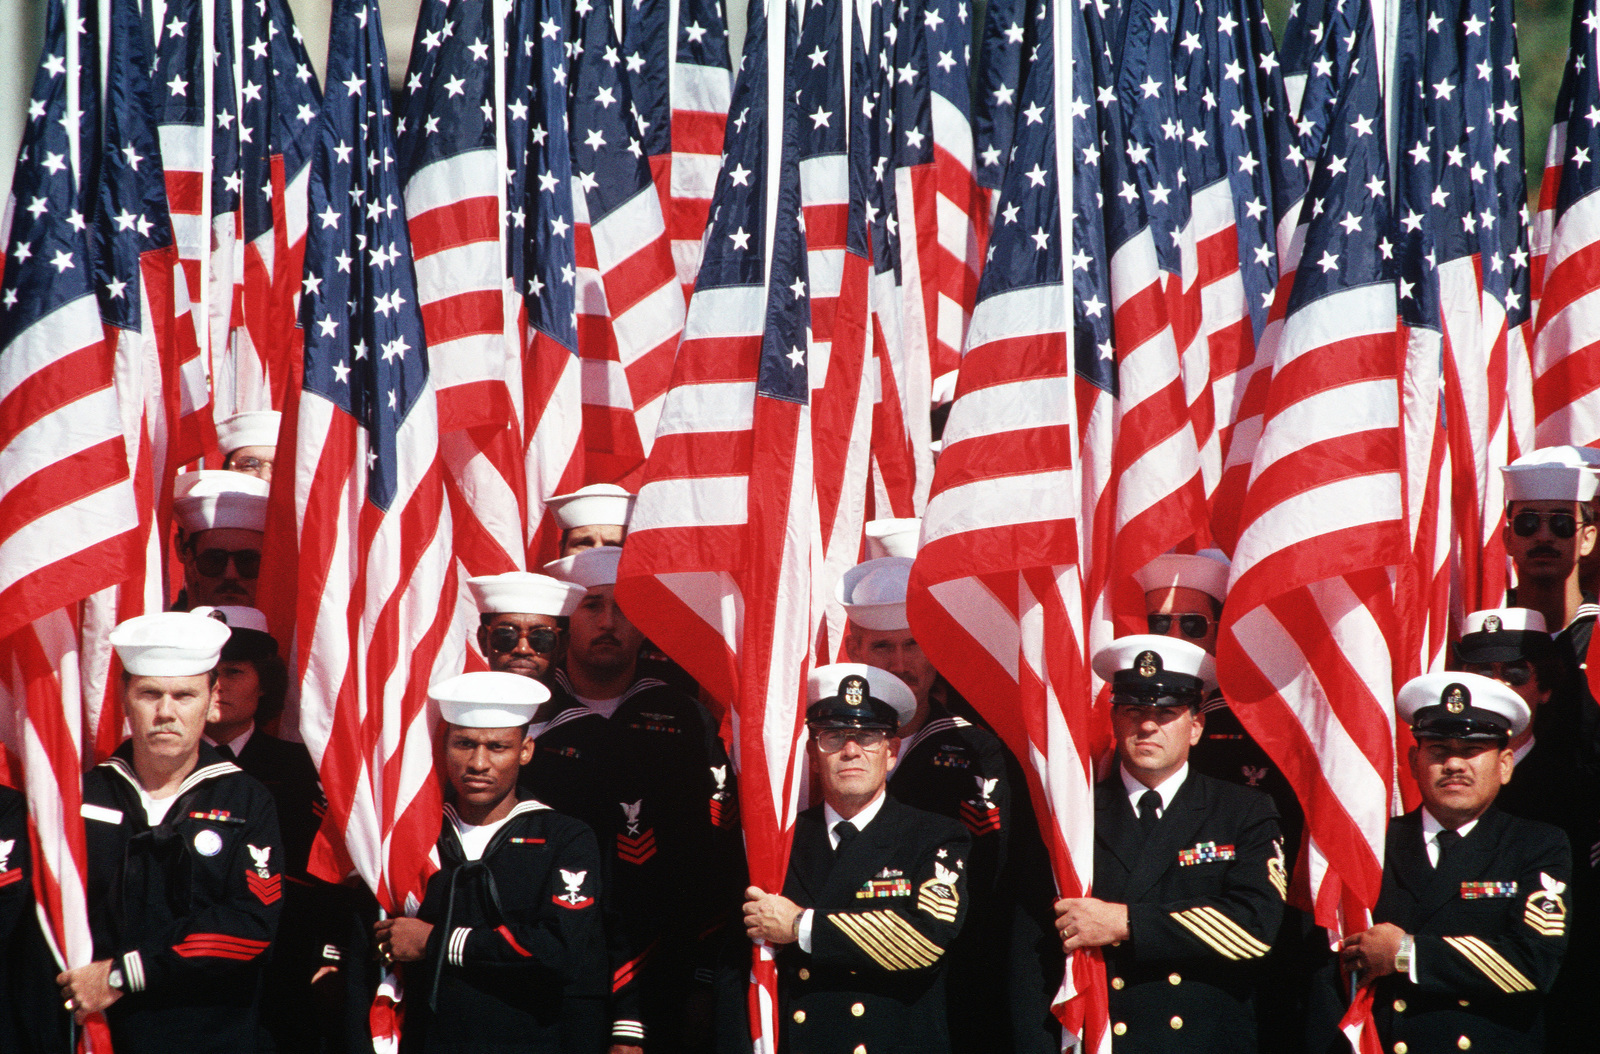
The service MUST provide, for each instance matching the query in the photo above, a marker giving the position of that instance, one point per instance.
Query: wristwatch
(1407, 952)
(115, 979)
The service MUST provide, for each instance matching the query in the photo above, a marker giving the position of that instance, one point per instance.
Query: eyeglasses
(541, 639)
(250, 464)
(1514, 674)
(832, 740)
(1193, 626)
(1562, 524)
(213, 563)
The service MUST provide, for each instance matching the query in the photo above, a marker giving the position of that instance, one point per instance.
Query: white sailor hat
(595, 566)
(212, 499)
(874, 593)
(250, 638)
(596, 503)
(488, 700)
(1454, 705)
(1206, 571)
(1504, 635)
(855, 695)
(1149, 670)
(521, 592)
(1552, 473)
(251, 428)
(170, 644)
(897, 537)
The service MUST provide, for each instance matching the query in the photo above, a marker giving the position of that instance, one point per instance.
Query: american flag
(1566, 347)
(675, 63)
(543, 262)
(1266, 200)
(1152, 495)
(1305, 639)
(998, 585)
(717, 570)
(70, 505)
(144, 303)
(450, 140)
(835, 167)
(1006, 26)
(1423, 587)
(376, 579)
(630, 305)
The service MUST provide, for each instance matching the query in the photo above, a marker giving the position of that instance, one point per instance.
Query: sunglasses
(832, 740)
(1514, 674)
(541, 639)
(213, 563)
(1562, 524)
(1193, 626)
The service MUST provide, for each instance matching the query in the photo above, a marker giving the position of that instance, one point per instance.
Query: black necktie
(227, 752)
(1149, 810)
(844, 830)
(1447, 841)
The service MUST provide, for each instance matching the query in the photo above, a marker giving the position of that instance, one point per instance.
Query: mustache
(1544, 550)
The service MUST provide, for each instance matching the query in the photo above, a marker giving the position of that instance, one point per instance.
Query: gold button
(1116, 944)
(1118, 983)
(1401, 1048)
(861, 1048)
(1464, 1002)
(805, 974)
(799, 1017)
(1464, 1043)
(1119, 1029)
(857, 1009)
(1173, 978)
(1399, 1006)
(1176, 1022)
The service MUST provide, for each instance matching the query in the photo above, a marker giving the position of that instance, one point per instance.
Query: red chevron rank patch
(980, 819)
(268, 889)
(636, 849)
(9, 877)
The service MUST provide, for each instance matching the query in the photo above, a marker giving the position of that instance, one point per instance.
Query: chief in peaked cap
(1464, 706)
(1149, 670)
(854, 695)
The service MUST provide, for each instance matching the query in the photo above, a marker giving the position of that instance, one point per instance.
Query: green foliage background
(1543, 27)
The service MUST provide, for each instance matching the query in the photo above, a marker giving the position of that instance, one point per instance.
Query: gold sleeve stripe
(891, 941)
(1491, 963)
(1279, 880)
(1545, 923)
(1221, 933)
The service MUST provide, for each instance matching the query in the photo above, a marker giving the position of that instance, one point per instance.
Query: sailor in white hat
(1189, 875)
(516, 898)
(222, 519)
(895, 537)
(1183, 595)
(522, 619)
(249, 442)
(1549, 528)
(1470, 926)
(873, 594)
(641, 762)
(184, 857)
(592, 516)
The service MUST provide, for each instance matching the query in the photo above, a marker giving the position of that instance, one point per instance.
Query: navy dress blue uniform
(1005, 967)
(654, 782)
(887, 907)
(187, 908)
(31, 1018)
(1205, 892)
(1490, 929)
(517, 957)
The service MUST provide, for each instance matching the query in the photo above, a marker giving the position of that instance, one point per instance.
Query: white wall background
(22, 31)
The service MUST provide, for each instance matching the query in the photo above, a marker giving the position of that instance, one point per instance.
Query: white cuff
(804, 928)
(133, 971)
(457, 946)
